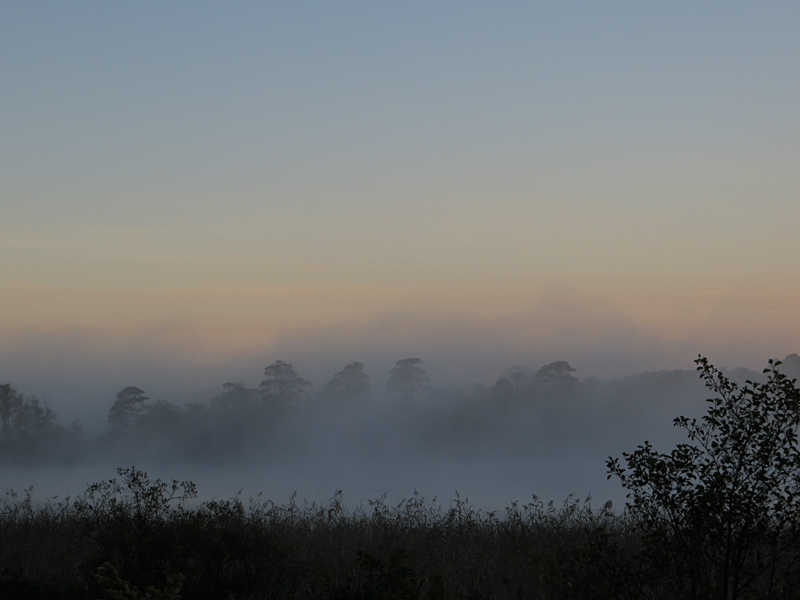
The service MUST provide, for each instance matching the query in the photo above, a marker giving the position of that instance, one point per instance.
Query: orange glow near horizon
(204, 323)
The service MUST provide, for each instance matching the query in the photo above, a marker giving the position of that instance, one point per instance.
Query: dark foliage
(351, 383)
(407, 379)
(122, 413)
(716, 518)
(558, 372)
(282, 384)
(131, 537)
(720, 515)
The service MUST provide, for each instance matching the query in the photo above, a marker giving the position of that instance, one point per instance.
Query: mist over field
(484, 427)
(191, 192)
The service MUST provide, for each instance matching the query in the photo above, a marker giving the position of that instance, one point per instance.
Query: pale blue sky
(261, 167)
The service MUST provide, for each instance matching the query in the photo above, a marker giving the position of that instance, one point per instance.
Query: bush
(720, 515)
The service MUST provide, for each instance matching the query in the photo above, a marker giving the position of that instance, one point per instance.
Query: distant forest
(525, 412)
(716, 517)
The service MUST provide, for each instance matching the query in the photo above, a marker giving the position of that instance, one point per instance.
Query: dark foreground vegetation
(136, 538)
(716, 518)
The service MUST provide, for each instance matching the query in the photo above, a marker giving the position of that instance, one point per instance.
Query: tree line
(525, 413)
(715, 518)
(30, 429)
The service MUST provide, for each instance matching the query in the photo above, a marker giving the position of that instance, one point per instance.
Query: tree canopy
(351, 383)
(122, 413)
(235, 395)
(22, 417)
(407, 378)
(10, 403)
(559, 371)
(282, 383)
(721, 513)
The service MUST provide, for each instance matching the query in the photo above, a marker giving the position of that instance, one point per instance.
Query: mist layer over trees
(535, 430)
(528, 412)
(715, 518)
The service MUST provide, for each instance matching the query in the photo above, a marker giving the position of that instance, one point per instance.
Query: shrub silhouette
(720, 515)
(130, 522)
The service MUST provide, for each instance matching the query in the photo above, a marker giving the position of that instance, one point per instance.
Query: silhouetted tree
(33, 418)
(10, 403)
(721, 514)
(559, 371)
(235, 396)
(282, 383)
(122, 413)
(351, 383)
(407, 378)
(23, 418)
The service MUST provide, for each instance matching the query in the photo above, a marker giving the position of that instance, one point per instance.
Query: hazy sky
(203, 180)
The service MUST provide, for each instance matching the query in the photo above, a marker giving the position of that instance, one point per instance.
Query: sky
(192, 190)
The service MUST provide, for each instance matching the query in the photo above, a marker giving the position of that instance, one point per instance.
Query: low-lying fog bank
(489, 485)
(543, 433)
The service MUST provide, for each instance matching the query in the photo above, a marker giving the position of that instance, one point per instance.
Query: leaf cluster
(721, 512)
